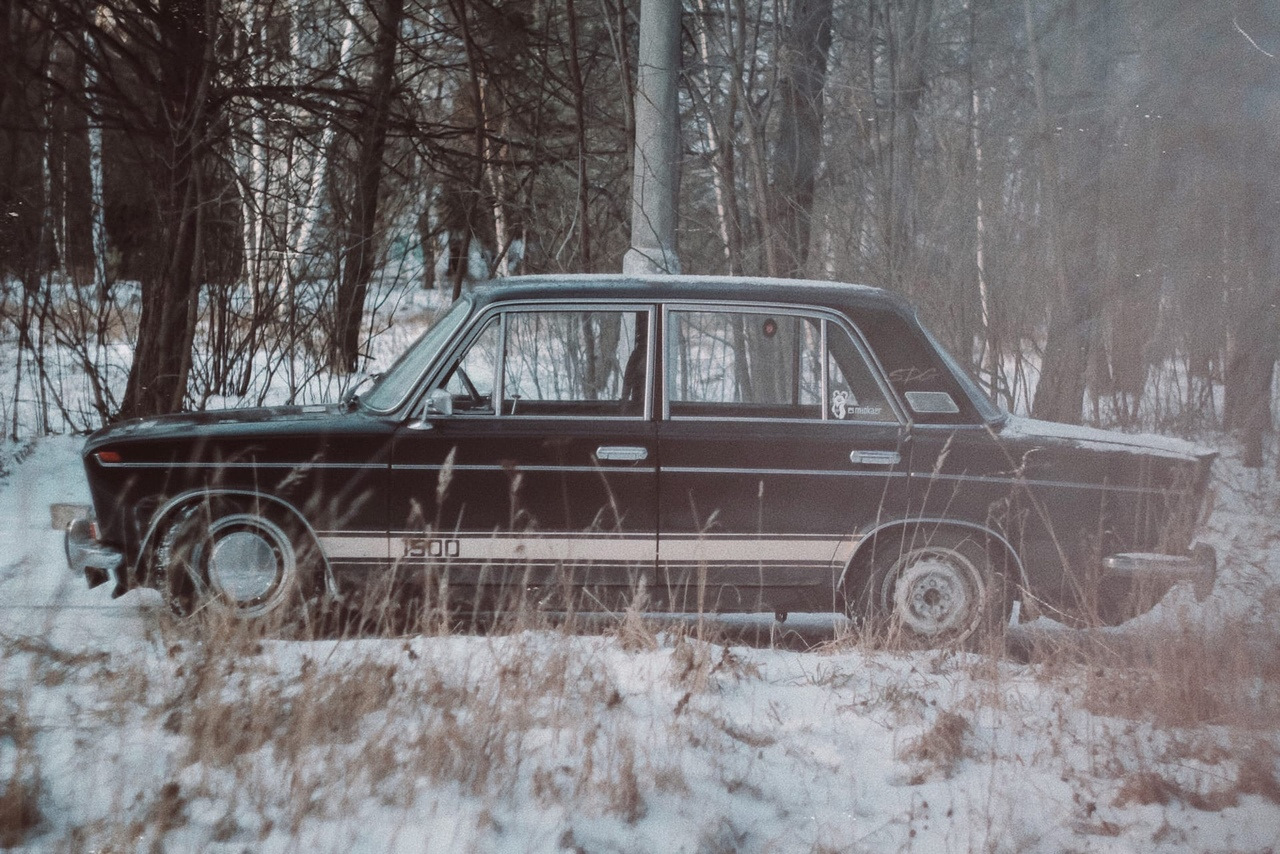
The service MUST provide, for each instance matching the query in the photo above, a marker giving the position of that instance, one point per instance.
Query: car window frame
(476, 326)
(821, 313)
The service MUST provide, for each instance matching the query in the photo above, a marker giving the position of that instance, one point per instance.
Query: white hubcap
(251, 563)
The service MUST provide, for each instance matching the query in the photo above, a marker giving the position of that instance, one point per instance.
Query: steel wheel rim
(934, 592)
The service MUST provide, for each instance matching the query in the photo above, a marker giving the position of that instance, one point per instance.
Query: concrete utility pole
(656, 175)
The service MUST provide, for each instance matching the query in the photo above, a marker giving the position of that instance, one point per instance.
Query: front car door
(534, 476)
(779, 444)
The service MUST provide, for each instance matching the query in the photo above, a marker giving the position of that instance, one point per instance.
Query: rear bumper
(97, 562)
(1159, 572)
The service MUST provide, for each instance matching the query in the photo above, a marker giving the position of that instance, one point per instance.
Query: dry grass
(20, 783)
(940, 748)
(1173, 676)
(525, 710)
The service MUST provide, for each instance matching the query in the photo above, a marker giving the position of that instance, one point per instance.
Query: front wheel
(934, 590)
(235, 558)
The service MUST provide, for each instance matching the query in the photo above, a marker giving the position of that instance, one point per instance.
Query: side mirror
(439, 402)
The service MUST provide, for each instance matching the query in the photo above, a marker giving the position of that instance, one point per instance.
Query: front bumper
(98, 562)
(1159, 572)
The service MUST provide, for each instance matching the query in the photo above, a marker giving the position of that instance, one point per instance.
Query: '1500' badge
(417, 547)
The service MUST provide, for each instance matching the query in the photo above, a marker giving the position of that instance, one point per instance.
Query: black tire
(237, 558)
(932, 589)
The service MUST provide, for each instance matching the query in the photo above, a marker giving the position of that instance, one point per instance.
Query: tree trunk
(359, 249)
(1060, 393)
(798, 147)
(166, 328)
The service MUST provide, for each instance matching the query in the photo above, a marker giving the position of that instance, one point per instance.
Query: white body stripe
(749, 550)
(599, 548)
(355, 547)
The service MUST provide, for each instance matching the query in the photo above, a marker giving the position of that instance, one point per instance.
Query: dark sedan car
(724, 444)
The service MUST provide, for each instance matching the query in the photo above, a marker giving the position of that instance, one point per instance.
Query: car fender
(166, 511)
(935, 522)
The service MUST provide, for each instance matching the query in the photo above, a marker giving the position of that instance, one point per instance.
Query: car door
(534, 473)
(779, 444)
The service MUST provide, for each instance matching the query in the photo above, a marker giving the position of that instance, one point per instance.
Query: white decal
(840, 401)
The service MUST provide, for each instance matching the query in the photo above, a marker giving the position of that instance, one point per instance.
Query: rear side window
(767, 364)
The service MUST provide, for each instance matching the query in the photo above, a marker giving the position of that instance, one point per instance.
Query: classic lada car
(721, 444)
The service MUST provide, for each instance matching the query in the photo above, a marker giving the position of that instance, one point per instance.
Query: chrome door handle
(875, 458)
(622, 453)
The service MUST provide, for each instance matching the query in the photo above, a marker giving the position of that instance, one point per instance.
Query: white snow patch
(1018, 427)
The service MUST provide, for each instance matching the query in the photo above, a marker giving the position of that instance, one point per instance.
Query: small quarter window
(853, 393)
(471, 382)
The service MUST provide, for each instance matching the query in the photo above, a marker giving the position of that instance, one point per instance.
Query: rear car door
(779, 444)
(535, 475)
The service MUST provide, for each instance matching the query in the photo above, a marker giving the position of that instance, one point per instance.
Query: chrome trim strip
(524, 468)
(496, 535)
(760, 420)
(242, 465)
(590, 535)
(792, 472)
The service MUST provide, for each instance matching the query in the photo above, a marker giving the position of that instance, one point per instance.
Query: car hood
(1093, 438)
(213, 422)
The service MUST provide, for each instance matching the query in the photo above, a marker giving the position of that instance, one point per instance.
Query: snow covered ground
(121, 730)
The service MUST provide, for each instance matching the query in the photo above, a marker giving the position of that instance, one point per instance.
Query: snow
(1019, 427)
(133, 731)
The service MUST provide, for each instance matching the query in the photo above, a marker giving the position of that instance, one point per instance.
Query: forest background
(212, 201)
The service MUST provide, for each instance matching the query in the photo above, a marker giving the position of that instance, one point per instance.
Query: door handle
(875, 458)
(622, 453)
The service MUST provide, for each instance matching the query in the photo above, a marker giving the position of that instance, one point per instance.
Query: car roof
(667, 287)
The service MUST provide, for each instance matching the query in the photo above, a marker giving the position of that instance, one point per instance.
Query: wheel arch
(898, 527)
(166, 512)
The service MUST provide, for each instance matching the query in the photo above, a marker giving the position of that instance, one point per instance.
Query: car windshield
(396, 384)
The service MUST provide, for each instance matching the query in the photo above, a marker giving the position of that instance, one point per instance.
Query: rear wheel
(937, 589)
(237, 558)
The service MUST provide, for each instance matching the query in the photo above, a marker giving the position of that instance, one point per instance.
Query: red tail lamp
(108, 457)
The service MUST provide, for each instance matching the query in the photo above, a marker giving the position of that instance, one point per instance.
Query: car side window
(589, 363)
(744, 365)
(555, 363)
(751, 364)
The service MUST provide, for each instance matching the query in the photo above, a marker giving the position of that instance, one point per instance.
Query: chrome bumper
(86, 556)
(1142, 568)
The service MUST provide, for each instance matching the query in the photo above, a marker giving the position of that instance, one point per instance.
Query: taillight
(108, 457)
